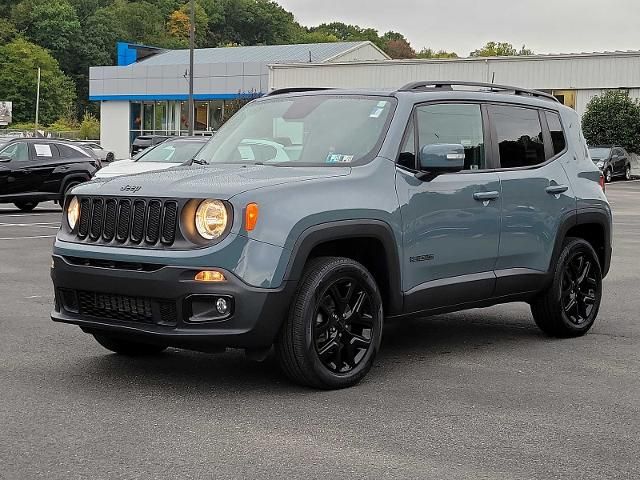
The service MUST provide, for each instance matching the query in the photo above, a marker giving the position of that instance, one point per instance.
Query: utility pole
(35, 131)
(192, 28)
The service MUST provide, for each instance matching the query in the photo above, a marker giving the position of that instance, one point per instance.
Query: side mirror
(442, 157)
(5, 159)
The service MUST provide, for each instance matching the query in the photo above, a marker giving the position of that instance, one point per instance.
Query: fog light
(222, 306)
(210, 276)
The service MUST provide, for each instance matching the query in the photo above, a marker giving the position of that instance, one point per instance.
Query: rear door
(536, 193)
(45, 158)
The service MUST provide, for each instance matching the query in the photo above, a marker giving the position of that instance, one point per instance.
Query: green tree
(19, 61)
(430, 53)
(350, 33)
(179, 23)
(397, 46)
(500, 49)
(613, 118)
(52, 25)
(7, 31)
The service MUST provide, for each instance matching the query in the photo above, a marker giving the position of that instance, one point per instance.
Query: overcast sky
(546, 26)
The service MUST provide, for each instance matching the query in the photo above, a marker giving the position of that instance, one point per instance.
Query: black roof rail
(448, 85)
(281, 91)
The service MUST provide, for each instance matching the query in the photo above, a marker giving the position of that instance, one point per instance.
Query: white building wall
(571, 72)
(114, 127)
(361, 53)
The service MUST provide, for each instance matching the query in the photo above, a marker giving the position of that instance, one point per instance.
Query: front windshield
(170, 152)
(310, 129)
(598, 153)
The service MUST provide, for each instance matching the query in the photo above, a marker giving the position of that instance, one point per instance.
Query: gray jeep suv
(312, 216)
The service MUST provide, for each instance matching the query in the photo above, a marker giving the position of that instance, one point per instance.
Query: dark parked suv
(612, 161)
(34, 170)
(311, 217)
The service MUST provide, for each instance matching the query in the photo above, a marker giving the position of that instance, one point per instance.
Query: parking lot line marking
(35, 224)
(26, 238)
(28, 214)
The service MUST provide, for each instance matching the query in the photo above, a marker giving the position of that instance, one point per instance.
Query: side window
(557, 134)
(519, 136)
(452, 123)
(18, 152)
(407, 156)
(70, 152)
(45, 150)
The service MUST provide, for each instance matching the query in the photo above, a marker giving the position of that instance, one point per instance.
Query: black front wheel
(126, 347)
(570, 305)
(26, 206)
(627, 172)
(334, 328)
(608, 175)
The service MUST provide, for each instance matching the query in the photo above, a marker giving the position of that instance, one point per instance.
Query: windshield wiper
(199, 161)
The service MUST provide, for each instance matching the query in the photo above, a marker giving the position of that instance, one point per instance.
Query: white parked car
(170, 153)
(104, 155)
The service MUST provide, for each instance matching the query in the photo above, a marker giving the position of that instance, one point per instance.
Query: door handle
(556, 189)
(484, 196)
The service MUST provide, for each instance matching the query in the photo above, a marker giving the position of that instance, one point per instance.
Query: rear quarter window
(558, 138)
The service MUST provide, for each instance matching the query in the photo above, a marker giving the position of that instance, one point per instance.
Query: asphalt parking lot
(477, 394)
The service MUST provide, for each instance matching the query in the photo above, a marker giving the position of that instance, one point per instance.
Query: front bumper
(154, 304)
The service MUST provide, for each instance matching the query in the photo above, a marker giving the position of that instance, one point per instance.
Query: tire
(26, 206)
(110, 157)
(334, 328)
(627, 172)
(608, 175)
(125, 347)
(570, 305)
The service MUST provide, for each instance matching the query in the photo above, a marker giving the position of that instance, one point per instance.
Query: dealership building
(147, 91)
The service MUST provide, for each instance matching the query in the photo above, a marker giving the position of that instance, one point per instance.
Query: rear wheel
(126, 347)
(334, 328)
(26, 206)
(570, 305)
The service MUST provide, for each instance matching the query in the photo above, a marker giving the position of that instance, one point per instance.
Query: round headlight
(73, 212)
(211, 219)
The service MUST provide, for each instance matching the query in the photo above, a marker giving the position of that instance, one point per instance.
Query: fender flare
(344, 229)
(83, 177)
(584, 216)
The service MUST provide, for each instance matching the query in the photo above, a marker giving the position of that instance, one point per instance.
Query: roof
(304, 52)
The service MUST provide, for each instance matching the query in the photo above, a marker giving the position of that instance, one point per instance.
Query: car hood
(219, 181)
(129, 167)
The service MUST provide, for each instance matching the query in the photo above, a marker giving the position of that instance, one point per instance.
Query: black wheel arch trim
(72, 177)
(345, 229)
(584, 216)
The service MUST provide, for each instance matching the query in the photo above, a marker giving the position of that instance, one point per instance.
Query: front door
(13, 176)
(536, 193)
(451, 222)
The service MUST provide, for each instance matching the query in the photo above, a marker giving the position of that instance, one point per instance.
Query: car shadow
(406, 344)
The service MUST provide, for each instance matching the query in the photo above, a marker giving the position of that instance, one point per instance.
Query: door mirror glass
(442, 157)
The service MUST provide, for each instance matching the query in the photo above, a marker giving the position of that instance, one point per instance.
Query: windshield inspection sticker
(379, 108)
(338, 158)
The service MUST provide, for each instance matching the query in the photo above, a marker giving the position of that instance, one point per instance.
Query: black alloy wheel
(334, 327)
(570, 305)
(579, 288)
(343, 328)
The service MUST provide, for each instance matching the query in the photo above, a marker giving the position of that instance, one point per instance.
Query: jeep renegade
(312, 216)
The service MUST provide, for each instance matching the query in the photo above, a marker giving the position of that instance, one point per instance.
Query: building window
(216, 114)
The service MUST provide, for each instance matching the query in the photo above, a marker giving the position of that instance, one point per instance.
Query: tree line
(65, 37)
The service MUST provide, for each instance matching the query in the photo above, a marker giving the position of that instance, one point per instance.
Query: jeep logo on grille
(130, 188)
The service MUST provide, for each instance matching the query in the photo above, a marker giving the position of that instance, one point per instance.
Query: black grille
(137, 228)
(153, 221)
(169, 222)
(85, 216)
(110, 220)
(120, 307)
(124, 220)
(97, 214)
